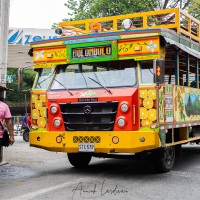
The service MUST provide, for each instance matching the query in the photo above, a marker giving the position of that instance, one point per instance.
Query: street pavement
(32, 173)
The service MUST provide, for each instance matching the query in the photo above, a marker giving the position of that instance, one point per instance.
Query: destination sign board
(88, 52)
(91, 52)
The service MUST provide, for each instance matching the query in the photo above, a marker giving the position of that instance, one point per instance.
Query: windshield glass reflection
(107, 75)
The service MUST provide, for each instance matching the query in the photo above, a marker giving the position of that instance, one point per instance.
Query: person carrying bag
(5, 139)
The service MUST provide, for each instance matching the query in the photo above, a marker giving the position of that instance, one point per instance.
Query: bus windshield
(44, 77)
(96, 75)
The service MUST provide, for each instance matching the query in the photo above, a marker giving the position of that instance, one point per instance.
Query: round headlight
(121, 122)
(53, 109)
(57, 122)
(124, 107)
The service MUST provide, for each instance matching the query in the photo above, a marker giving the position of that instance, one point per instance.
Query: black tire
(26, 136)
(163, 159)
(79, 160)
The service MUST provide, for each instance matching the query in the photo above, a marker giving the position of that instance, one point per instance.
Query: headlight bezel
(121, 122)
(58, 121)
(54, 106)
(124, 107)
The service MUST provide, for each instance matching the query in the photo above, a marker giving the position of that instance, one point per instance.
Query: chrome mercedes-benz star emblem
(87, 109)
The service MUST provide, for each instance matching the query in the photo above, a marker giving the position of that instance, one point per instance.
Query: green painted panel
(170, 35)
(92, 52)
(184, 42)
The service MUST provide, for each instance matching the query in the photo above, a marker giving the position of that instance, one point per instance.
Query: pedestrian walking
(5, 116)
(24, 120)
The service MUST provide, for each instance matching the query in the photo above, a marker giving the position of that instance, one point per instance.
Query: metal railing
(173, 18)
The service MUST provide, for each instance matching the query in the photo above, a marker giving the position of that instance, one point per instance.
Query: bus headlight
(121, 122)
(124, 107)
(53, 109)
(57, 122)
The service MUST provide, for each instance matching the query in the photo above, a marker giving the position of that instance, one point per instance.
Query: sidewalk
(3, 163)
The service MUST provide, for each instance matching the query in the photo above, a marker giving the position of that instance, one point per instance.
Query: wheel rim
(169, 155)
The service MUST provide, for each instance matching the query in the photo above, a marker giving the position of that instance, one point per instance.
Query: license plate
(86, 147)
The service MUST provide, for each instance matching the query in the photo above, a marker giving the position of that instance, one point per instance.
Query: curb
(3, 163)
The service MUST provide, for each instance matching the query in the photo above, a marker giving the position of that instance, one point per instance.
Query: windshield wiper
(63, 86)
(39, 83)
(100, 84)
(84, 79)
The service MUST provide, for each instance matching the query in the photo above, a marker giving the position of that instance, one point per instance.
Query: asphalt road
(33, 173)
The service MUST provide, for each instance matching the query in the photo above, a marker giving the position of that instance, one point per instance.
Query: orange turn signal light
(115, 140)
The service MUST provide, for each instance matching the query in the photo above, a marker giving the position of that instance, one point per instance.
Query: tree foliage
(16, 95)
(194, 8)
(87, 9)
(165, 4)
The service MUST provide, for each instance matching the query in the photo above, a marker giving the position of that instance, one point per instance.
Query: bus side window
(169, 75)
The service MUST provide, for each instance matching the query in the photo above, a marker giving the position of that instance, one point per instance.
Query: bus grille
(89, 116)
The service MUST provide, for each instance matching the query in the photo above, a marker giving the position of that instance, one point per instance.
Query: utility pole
(4, 26)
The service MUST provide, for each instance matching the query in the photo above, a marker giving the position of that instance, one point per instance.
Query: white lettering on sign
(91, 52)
(54, 92)
(26, 36)
(9, 78)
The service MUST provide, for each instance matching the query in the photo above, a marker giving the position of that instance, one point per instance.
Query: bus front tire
(163, 159)
(79, 160)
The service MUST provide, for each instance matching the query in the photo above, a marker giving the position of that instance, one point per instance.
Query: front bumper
(128, 141)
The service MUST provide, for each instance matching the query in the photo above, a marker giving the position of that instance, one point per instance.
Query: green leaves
(101, 8)
(194, 9)
(18, 96)
(88, 9)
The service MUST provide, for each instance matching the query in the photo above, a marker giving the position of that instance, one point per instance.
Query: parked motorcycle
(25, 133)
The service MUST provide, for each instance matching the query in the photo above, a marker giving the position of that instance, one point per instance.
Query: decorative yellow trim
(47, 44)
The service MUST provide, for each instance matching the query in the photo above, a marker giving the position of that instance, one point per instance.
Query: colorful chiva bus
(118, 85)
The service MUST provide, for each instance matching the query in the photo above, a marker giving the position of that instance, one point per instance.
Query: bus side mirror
(159, 71)
(20, 80)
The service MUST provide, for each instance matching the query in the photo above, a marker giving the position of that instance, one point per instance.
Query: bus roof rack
(174, 18)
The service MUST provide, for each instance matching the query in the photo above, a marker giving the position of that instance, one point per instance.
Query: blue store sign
(26, 36)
